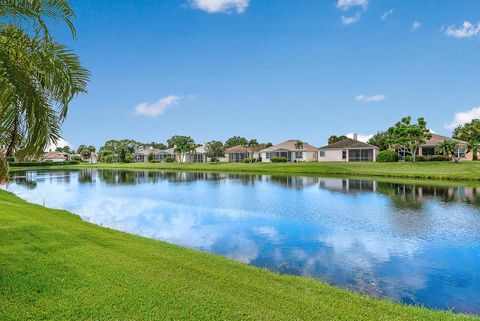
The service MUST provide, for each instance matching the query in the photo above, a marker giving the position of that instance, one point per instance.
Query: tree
(178, 139)
(183, 144)
(64, 149)
(160, 146)
(38, 76)
(407, 136)
(235, 141)
(215, 150)
(333, 139)
(150, 157)
(252, 144)
(448, 148)
(474, 147)
(469, 132)
(381, 140)
(298, 145)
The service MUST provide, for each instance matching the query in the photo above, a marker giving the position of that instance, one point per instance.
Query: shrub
(387, 156)
(129, 158)
(154, 161)
(278, 160)
(408, 158)
(11, 159)
(169, 159)
(46, 163)
(249, 160)
(433, 158)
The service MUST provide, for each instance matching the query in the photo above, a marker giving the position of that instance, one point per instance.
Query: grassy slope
(55, 266)
(422, 170)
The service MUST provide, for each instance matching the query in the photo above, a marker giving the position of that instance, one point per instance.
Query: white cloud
(386, 14)
(463, 118)
(415, 25)
(467, 30)
(226, 6)
(157, 108)
(347, 4)
(60, 143)
(370, 99)
(350, 20)
(360, 137)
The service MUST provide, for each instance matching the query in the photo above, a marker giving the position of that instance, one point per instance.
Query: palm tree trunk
(11, 145)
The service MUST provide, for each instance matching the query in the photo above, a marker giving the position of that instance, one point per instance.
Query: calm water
(411, 243)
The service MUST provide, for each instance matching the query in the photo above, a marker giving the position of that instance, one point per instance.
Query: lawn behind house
(55, 266)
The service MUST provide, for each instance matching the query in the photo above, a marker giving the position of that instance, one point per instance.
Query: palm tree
(38, 76)
(299, 145)
(252, 144)
(474, 147)
(447, 148)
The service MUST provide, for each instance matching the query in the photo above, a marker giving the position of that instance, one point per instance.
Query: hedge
(38, 164)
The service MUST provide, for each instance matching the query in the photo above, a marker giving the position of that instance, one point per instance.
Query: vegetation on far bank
(56, 266)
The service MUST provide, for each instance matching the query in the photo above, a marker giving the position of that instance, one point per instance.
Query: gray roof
(349, 144)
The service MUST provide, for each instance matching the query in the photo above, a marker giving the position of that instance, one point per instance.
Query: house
(430, 147)
(199, 155)
(307, 152)
(238, 153)
(56, 157)
(158, 155)
(348, 150)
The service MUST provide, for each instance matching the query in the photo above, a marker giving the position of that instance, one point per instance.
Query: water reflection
(413, 243)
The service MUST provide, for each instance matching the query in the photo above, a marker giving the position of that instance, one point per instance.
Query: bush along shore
(56, 266)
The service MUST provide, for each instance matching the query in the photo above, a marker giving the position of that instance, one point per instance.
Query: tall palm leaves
(38, 76)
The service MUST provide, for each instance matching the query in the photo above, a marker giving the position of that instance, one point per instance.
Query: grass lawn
(465, 171)
(55, 266)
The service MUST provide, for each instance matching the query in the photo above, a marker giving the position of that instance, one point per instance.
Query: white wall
(332, 155)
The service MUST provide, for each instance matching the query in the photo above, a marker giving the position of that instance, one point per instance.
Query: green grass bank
(465, 171)
(55, 266)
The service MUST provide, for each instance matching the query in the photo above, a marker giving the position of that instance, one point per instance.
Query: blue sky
(272, 69)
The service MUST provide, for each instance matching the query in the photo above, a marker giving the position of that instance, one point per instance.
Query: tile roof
(349, 144)
(290, 146)
(437, 139)
(242, 149)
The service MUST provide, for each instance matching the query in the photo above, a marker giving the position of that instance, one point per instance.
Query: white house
(348, 150)
(291, 151)
(158, 155)
(238, 153)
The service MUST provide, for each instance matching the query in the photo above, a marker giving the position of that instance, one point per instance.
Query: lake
(409, 242)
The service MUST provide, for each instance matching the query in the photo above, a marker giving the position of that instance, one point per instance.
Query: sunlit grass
(55, 266)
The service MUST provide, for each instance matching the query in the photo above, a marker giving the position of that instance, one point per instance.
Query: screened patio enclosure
(360, 155)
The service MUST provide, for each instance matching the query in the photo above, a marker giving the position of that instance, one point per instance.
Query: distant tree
(178, 140)
(150, 157)
(333, 139)
(64, 149)
(252, 144)
(299, 145)
(122, 156)
(448, 148)
(407, 136)
(381, 140)
(235, 141)
(469, 132)
(474, 147)
(215, 149)
(86, 153)
(160, 146)
(183, 144)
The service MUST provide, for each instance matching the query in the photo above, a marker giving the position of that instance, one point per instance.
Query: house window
(298, 154)
(344, 154)
(269, 155)
(322, 153)
(461, 152)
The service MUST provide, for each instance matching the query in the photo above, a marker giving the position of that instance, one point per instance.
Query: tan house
(348, 150)
(56, 157)
(238, 153)
(430, 147)
(307, 153)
